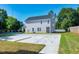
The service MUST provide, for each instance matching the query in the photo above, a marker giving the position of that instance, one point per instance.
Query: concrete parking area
(50, 40)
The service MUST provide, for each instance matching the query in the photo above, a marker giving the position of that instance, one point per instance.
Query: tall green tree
(67, 17)
(8, 22)
(3, 16)
(12, 23)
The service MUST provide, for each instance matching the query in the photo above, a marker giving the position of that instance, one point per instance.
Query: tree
(77, 10)
(67, 17)
(3, 15)
(65, 24)
(12, 23)
(18, 25)
(8, 22)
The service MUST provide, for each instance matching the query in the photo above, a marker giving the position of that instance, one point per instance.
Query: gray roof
(40, 17)
(37, 18)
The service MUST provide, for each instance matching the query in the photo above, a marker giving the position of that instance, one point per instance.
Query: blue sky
(23, 11)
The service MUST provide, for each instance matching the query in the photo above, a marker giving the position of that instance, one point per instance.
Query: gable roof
(49, 15)
(37, 18)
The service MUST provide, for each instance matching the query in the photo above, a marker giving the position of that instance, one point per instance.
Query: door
(47, 29)
(33, 30)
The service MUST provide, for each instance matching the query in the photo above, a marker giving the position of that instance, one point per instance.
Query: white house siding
(35, 22)
(38, 24)
(53, 23)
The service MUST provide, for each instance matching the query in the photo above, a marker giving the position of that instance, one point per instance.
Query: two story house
(41, 24)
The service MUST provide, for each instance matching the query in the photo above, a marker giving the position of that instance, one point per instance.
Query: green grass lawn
(16, 48)
(69, 43)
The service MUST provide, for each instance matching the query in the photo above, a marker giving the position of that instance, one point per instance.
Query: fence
(74, 29)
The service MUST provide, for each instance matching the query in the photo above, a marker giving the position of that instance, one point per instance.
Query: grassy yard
(69, 43)
(15, 47)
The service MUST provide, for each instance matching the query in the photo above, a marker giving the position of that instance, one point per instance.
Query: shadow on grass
(20, 52)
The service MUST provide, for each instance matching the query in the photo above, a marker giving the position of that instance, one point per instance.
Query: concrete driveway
(50, 40)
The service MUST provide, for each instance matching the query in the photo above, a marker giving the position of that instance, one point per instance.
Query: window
(41, 21)
(33, 29)
(48, 21)
(38, 29)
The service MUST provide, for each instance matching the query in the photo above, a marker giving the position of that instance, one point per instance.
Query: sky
(23, 11)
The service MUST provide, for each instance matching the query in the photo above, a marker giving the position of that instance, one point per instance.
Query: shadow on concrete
(5, 38)
(20, 52)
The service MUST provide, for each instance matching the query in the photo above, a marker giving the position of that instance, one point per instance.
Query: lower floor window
(38, 29)
(33, 29)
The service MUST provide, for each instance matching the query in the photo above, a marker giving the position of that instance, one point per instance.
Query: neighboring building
(41, 24)
(74, 29)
